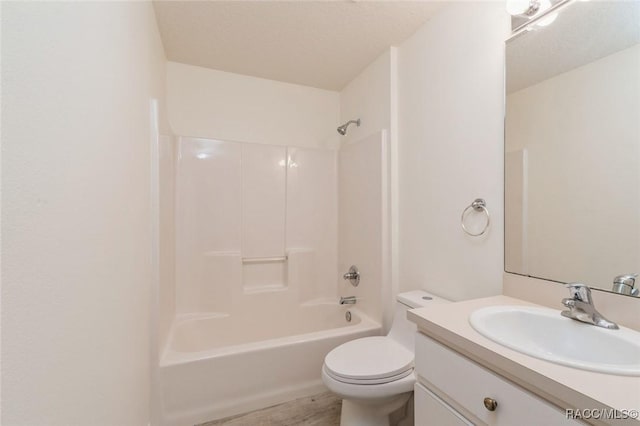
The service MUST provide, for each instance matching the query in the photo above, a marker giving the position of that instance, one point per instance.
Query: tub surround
(257, 283)
(563, 386)
(363, 220)
(277, 232)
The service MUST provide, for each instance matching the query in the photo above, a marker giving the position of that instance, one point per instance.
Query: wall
(220, 105)
(77, 80)
(372, 97)
(569, 236)
(450, 109)
(368, 97)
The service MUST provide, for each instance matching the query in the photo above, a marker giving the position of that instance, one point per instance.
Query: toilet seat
(369, 361)
(377, 381)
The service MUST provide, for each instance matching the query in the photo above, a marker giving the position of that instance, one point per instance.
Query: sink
(543, 333)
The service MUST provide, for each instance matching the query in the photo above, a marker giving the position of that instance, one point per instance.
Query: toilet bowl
(374, 376)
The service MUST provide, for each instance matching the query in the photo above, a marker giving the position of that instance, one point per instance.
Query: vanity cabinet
(453, 390)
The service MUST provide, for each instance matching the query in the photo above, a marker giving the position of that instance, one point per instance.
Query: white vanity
(464, 378)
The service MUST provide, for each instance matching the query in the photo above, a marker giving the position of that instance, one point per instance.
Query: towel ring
(478, 205)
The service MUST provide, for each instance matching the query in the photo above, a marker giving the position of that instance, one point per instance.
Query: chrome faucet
(581, 307)
(624, 284)
(349, 300)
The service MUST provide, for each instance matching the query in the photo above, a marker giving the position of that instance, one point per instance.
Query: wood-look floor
(318, 410)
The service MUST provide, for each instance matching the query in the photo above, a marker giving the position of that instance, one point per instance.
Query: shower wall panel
(208, 222)
(364, 220)
(166, 235)
(256, 225)
(312, 225)
(263, 200)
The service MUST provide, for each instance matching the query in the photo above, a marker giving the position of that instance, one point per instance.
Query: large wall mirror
(572, 145)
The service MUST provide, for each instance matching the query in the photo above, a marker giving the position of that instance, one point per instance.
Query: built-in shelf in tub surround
(566, 387)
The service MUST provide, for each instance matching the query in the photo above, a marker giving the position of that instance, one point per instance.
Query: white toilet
(374, 375)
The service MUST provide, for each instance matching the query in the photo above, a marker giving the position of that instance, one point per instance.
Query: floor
(318, 410)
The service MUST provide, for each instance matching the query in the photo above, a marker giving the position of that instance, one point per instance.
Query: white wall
(220, 105)
(583, 179)
(368, 97)
(450, 110)
(77, 79)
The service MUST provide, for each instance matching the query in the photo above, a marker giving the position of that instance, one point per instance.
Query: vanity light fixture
(529, 10)
(523, 7)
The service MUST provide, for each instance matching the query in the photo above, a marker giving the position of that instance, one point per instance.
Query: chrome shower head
(343, 129)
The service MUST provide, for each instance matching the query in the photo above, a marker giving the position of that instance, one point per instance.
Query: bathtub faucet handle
(353, 276)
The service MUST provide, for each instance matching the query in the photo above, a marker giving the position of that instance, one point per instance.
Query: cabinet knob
(490, 404)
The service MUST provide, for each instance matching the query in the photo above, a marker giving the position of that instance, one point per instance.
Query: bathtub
(219, 365)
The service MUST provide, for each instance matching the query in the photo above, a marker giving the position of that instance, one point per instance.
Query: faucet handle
(626, 279)
(624, 284)
(579, 291)
(581, 307)
(353, 276)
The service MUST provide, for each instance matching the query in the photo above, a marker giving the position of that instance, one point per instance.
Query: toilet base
(371, 412)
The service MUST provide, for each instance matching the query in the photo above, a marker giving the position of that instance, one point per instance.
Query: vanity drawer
(468, 384)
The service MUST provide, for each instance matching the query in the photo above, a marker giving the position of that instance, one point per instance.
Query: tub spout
(349, 300)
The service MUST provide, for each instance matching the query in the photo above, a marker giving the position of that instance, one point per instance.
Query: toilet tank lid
(419, 298)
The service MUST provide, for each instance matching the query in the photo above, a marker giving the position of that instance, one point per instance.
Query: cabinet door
(432, 411)
(468, 384)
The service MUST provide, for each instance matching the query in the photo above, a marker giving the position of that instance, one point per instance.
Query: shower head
(343, 129)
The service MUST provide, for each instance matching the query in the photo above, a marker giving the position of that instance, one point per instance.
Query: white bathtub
(216, 366)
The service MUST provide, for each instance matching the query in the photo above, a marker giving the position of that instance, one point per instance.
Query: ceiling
(582, 33)
(322, 44)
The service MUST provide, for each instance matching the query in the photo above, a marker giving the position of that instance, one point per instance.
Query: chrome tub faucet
(581, 307)
(349, 300)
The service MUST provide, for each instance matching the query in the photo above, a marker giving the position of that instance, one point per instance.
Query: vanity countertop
(561, 385)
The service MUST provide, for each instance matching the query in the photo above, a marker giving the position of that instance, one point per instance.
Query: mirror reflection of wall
(572, 146)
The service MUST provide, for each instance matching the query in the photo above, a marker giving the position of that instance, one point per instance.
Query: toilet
(374, 375)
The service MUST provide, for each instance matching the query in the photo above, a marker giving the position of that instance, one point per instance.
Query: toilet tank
(402, 330)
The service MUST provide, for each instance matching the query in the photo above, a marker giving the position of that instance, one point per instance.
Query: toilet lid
(369, 359)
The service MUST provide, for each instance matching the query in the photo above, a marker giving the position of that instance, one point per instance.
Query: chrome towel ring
(478, 205)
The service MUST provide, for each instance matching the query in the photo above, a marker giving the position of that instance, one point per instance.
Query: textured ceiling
(322, 44)
(582, 33)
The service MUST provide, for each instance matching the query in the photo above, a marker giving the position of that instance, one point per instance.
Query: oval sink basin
(543, 333)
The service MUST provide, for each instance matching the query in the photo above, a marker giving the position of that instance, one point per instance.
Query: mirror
(572, 145)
